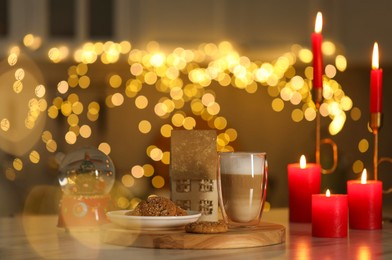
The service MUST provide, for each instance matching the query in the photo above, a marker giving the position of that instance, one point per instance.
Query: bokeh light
(358, 166)
(184, 78)
(363, 146)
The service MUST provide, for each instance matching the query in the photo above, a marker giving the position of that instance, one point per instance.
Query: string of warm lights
(184, 77)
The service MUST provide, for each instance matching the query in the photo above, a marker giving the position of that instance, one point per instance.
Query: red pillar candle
(317, 40)
(365, 203)
(304, 180)
(329, 215)
(375, 83)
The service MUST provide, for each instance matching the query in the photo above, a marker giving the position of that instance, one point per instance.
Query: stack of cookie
(157, 206)
(160, 206)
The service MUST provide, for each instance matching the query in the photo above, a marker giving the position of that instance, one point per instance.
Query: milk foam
(242, 164)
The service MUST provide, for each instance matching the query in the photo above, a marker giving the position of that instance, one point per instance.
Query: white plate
(151, 222)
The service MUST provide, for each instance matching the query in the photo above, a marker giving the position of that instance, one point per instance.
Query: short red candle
(317, 40)
(329, 215)
(365, 203)
(375, 83)
(303, 182)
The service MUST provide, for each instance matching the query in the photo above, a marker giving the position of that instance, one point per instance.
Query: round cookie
(135, 212)
(206, 227)
(157, 206)
(180, 211)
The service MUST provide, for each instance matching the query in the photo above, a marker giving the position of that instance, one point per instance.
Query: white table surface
(37, 237)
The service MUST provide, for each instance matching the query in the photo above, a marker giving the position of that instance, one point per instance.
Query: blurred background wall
(260, 31)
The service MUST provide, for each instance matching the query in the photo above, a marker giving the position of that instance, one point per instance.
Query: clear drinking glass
(242, 186)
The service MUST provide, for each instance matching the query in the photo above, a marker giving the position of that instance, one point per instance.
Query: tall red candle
(304, 180)
(365, 203)
(375, 83)
(329, 215)
(317, 40)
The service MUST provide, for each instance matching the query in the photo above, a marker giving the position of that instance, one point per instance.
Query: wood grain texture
(263, 235)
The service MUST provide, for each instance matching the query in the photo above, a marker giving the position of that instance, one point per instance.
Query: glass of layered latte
(242, 186)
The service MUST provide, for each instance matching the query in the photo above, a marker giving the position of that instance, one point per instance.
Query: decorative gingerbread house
(193, 171)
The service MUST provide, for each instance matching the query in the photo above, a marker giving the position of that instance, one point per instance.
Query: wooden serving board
(263, 235)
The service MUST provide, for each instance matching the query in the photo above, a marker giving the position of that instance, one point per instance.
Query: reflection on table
(38, 237)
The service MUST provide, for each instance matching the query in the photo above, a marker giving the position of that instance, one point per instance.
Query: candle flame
(364, 176)
(328, 193)
(375, 58)
(319, 23)
(302, 162)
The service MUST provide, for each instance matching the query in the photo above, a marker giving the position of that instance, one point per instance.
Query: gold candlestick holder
(318, 93)
(375, 125)
(381, 160)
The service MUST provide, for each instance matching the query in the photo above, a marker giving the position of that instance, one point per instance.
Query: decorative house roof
(193, 154)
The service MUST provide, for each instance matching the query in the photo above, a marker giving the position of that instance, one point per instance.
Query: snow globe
(86, 177)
